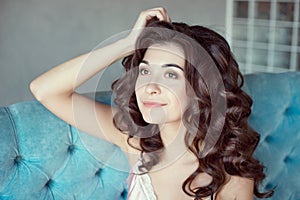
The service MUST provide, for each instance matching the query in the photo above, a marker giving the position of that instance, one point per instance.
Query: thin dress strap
(140, 186)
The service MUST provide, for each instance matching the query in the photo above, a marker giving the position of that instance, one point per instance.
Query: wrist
(127, 46)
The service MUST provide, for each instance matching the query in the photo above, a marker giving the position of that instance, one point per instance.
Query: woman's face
(160, 87)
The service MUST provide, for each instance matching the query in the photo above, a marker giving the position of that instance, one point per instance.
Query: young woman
(180, 114)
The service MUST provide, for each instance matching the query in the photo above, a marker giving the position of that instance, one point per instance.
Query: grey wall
(36, 35)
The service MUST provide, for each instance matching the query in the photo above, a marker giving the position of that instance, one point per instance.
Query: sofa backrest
(276, 116)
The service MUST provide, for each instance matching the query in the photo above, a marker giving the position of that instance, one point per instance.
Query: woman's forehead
(165, 54)
(169, 47)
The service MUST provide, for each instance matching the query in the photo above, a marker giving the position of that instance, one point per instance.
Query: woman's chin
(154, 120)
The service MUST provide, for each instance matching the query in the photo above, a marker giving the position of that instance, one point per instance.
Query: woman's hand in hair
(146, 15)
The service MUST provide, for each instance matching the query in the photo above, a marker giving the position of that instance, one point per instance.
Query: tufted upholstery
(41, 157)
(276, 116)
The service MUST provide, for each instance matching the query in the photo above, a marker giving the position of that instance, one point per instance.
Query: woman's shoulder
(237, 188)
(132, 150)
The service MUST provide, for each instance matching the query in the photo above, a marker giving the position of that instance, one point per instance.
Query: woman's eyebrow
(165, 65)
(173, 65)
(145, 62)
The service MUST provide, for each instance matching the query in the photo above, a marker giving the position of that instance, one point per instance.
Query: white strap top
(140, 186)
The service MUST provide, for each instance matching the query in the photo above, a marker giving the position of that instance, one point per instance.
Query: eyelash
(142, 71)
(171, 75)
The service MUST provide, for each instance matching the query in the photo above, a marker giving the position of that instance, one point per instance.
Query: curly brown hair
(231, 152)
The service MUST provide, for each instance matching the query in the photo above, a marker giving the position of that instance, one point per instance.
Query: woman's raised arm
(55, 89)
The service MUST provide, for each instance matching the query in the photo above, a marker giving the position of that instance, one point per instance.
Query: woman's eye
(144, 72)
(171, 75)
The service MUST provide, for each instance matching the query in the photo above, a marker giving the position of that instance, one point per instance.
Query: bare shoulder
(238, 188)
(105, 115)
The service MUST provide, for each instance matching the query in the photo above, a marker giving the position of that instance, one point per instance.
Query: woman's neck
(172, 132)
(173, 137)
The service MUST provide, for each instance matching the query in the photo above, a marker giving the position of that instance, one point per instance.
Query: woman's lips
(153, 104)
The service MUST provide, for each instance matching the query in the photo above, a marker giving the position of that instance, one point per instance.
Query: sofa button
(124, 194)
(49, 183)
(269, 186)
(287, 159)
(71, 148)
(18, 159)
(268, 139)
(98, 172)
(288, 111)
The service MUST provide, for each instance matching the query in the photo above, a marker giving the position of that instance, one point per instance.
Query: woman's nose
(152, 88)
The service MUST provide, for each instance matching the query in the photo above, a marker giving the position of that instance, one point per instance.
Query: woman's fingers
(142, 20)
(160, 13)
(146, 15)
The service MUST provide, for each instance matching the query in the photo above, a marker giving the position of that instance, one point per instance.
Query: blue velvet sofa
(42, 157)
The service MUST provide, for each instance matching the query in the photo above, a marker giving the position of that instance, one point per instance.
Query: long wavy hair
(232, 152)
